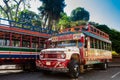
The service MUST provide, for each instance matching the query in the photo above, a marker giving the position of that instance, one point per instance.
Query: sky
(101, 11)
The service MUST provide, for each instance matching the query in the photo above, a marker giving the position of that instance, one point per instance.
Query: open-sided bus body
(19, 45)
(74, 49)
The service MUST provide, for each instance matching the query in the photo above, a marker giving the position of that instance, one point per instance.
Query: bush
(114, 53)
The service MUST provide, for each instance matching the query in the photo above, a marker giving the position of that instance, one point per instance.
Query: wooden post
(30, 41)
(10, 39)
(21, 40)
(39, 42)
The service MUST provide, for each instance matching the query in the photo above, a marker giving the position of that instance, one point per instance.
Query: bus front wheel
(74, 69)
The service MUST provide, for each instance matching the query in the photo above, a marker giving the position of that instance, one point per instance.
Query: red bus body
(86, 46)
(20, 46)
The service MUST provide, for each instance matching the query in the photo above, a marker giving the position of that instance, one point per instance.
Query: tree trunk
(45, 20)
(50, 22)
(18, 4)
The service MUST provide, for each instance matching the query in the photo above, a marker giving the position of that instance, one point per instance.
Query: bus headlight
(41, 55)
(63, 56)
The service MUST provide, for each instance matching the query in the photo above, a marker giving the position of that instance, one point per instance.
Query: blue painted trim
(86, 33)
(65, 33)
(18, 56)
(95, 36)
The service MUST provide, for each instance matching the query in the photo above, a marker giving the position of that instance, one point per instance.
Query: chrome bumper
(55, 69)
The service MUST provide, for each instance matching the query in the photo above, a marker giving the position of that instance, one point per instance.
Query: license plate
(48, 63)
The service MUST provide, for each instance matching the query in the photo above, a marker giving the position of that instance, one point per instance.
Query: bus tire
(104, 66)
(74, 69)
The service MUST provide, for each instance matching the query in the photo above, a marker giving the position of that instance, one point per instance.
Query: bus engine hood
(54, 49)
(58, 53)
(66, 49)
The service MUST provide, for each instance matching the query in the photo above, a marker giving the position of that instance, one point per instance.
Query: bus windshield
(67, 43)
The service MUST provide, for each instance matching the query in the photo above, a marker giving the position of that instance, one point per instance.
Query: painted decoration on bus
(54, 39)
(66, 37)
(76, 36)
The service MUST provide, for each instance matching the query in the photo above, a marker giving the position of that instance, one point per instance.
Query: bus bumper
(54, 65)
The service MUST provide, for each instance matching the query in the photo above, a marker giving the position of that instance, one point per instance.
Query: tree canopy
(29, 18)
(11, 8)
(64, 21)
(79, 14)
(50, 11)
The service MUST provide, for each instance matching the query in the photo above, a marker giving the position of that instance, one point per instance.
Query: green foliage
(64, 22)
(79, 14)
(29, 17)
(10, 8)
(78, 23)
(50, 11)
(115, 37)
(52, 7)
(114, 53)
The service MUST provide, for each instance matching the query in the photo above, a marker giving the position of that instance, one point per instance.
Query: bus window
(91, 28)
(41, 45)
(97, 31)
(16, 43)
(100, 45)
(34, 45)
(67, 43)
(7, 42)
(86, 42)
(1, 42)
(25, 44)
(4, 42)
(103, 45)
(109, 46)
(94, 30)
(95, 43)
(91, 42)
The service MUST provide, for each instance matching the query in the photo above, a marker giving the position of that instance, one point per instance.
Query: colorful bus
(74, 49)
(19, 45)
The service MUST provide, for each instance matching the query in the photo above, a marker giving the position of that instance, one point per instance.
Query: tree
(115, 37)
(79, 14)
(64, 21)
(10, 8)
(29, 18)
(50, 12)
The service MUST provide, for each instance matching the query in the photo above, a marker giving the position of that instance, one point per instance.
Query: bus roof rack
(88, 28)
